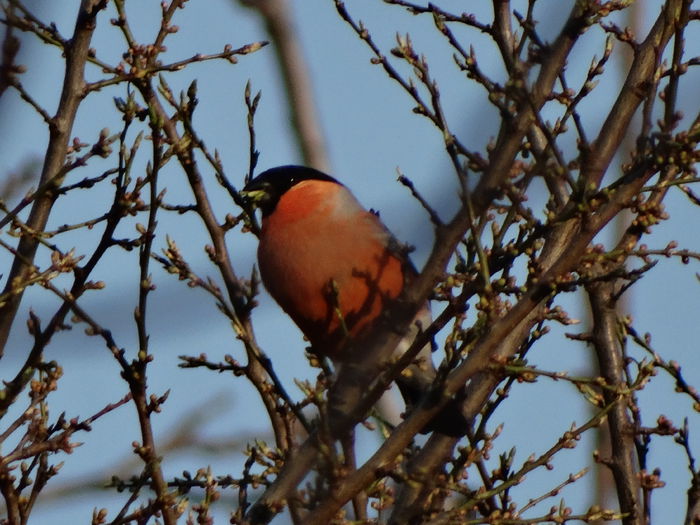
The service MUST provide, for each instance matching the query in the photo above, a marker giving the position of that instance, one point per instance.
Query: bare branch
(307, 127)
(62, 124)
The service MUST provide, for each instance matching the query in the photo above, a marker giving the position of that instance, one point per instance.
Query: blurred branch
(17, 182)
(10, 48)
(279, 23)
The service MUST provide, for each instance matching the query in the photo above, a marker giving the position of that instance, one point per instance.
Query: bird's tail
(414, 384)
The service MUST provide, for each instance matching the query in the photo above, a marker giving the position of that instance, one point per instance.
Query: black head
(265, 190)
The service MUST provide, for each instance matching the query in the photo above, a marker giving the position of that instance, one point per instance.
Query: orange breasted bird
(334, 268)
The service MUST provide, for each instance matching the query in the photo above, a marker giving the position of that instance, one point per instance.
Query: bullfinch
(334, 267)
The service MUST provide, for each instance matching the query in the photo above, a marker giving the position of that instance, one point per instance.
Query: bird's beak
(254, 197)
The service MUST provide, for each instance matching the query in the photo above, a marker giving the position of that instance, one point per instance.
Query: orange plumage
(334, 268)
(327, 263)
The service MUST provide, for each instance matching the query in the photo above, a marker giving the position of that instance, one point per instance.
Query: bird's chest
(324, 267)
(304, 255)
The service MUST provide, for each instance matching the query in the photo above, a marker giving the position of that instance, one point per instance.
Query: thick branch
(606, 342)
(635, 89)
(353, 378)
(60, 130)
(492, 344)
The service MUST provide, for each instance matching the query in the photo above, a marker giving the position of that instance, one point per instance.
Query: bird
(334, 268)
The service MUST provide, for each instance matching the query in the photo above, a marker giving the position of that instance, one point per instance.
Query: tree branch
(62, 124)
(297, 79)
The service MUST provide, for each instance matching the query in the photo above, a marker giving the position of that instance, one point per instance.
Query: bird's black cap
(265, 190)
